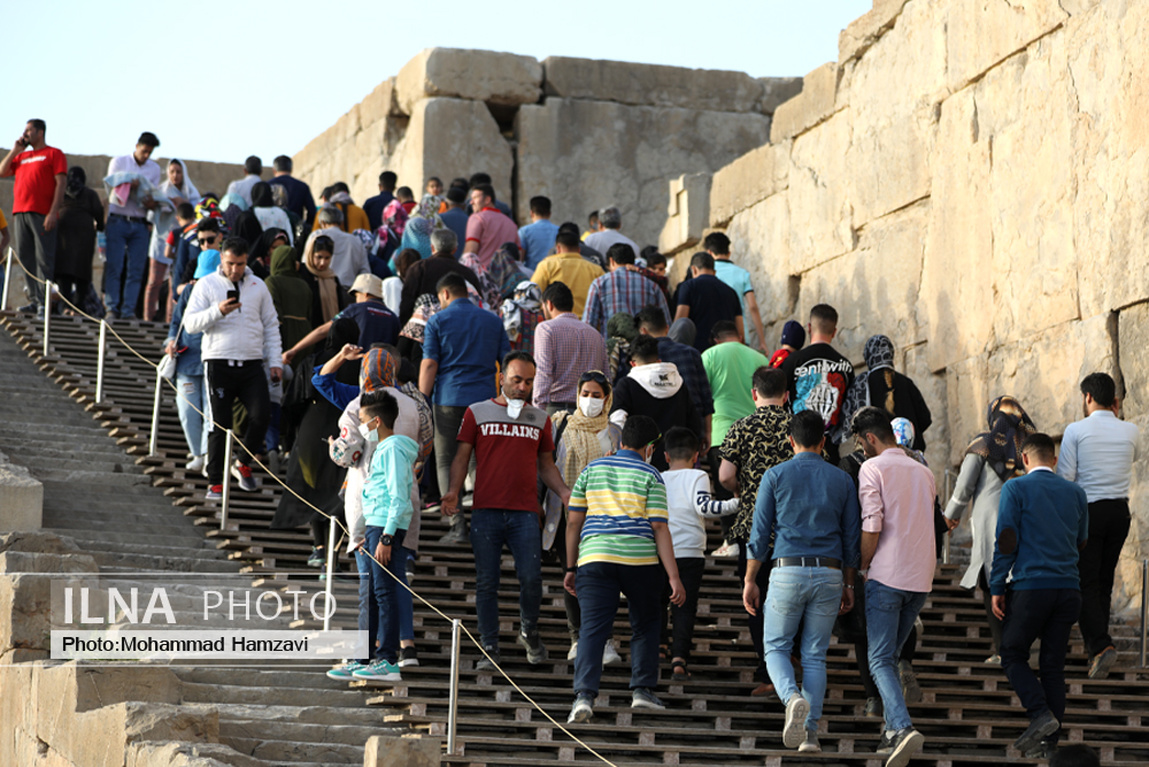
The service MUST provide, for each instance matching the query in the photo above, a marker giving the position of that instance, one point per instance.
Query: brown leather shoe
(765, 688)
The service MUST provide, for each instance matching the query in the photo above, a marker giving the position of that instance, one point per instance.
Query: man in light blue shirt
(1097, 453)
(717, 244)
(538, 237)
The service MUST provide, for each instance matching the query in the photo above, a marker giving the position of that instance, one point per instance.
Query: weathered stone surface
(688, 214)
(1127, 591)
(487, 76)
(391, 751)
(651, 85)
(751, 178)
(867, 29)
(181, 754)
(776, 91)
(814, 104)
(979, 34)
(913, 362)
(1133, 341)
(379, 104)
(760, 243)
(23, 498)
(586, 155)
(821, 217)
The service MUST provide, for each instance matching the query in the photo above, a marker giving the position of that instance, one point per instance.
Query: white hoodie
(661, 381)
(688, 498)
(250, 333)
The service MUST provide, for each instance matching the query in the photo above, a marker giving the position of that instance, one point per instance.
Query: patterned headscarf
(1009, 425)
(527, 297)
(879, 355)
(395, 217)
(378, 370)
(425, 306)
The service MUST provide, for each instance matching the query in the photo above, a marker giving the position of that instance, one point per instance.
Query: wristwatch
(387, 540)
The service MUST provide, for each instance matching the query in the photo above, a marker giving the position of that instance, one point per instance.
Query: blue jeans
(491, 529)
(890, 614)
(809, 596)
(127, 256)
(598, 585)
(391, 599)
(191, 396)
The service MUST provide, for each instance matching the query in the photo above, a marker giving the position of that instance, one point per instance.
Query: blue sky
(225, 80)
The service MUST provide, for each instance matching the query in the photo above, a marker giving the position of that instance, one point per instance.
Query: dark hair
(594, 376)
(237, 246)
(651, 317)
(185, 210)
(453, 283)
(807, 428)
(621, 253)
(405, 193)
(769, 382)
(387, 180)
(282, 164)
(567, 239)
(560, 295)
(873, 420)
(208, 224)
(457, 195)
(644, 350)
(147, 138)
(403, 261)
(326, 193)
(824, 318)
(680, 443)
(434, 178)
(717, 243)
(380, 404)
(702, 260)
(210, 196)
(639, 431)
(253, 165)
(1101, 387)
(479, 178)
(340, 186)
(723, 328)
(323, 243)
(462, 183)
(519, 355)
(486, 189)
(1075, 755)
(1039, 445)
(653, 256)
(569, 226)
(541, 206)
(592, 217)
(38, 124)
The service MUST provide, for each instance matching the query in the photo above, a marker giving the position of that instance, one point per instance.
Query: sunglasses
(593, 375)
(207, 240)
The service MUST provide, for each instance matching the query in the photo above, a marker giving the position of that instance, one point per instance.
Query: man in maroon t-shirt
(40, 171)
(514, 447)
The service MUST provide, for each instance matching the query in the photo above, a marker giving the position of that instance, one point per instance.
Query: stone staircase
(291, 714)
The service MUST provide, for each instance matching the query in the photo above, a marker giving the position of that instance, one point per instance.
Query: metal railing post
(1144, 606)
(100, 361)
(154, 439)
(226, 481)
(453, 710)
(331, 556)
(47, 314)
(7, 279)
(947, 487)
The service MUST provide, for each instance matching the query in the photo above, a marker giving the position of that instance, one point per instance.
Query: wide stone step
(317, 734)
(291, 751)
(160, 561)
(315, 715)
(281, 696)
(118, 540)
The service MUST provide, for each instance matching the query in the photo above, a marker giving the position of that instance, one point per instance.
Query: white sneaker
(609, 654)
(573, 652)
(196, 464)
(725, 550)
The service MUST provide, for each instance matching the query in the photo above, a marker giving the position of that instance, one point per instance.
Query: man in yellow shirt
(569, 268)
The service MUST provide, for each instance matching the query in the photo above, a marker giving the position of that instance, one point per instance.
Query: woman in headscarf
(81, 216)
(992, 459)
(390, 233)
(884, 387)
(621, 331)
(521, 314)
(580, 437)
(231, 207)
(410, 343)
(328, 296)
(417, 233)
(500, 275)
(264, 209)
(264, 246)
(178, 189)
(291, 294)
(683, 331)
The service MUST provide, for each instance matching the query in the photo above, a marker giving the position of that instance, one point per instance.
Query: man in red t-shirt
(487, 229)
(514, 447)
(40, 171)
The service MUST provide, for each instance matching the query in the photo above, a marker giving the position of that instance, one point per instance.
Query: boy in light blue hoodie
(387, 511)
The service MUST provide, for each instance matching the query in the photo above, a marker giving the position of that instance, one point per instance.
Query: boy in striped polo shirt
(617, 532)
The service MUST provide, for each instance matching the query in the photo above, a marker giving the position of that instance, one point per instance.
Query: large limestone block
(1127, 590)
(1109, 80)
(913, 361)
(182, 754)
(379, 104)
(586, 155)
(821, 216)
(776, 91)
(651, 85)
(894, 128)
(980, 33)
(688, 213)
(22, 507)
(1133, 345)
(487, 76)
(760, 243)
(449, 137)
(397, 751)
(815, 103)
(867, 29)
(967, 398)
(101, 737)
(751, 178)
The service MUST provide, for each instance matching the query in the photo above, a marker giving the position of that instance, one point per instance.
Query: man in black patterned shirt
(754, 444)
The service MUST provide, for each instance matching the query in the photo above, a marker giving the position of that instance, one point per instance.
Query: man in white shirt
(610, 219)
(253, 169)
(350, 257)
(128, 231)
(1097, 453)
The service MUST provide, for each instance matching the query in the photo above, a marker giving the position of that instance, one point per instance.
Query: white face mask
(515, 407)
(368, 434)
(649, 456)
(590, 406)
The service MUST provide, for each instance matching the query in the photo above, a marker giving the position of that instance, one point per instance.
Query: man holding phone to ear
(234, 311)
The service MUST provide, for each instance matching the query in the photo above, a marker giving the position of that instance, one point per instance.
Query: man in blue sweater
(1042, 525)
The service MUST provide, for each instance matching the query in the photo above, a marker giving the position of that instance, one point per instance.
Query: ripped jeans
(192, 394)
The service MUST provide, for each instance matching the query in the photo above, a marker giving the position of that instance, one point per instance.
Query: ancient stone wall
(968, 178)
(585, 133)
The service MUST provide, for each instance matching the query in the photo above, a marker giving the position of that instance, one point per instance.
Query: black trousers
(1108, 528)
(755, 621)
(227, 383)
(1048, 614)
(681, 635)
(718, 492)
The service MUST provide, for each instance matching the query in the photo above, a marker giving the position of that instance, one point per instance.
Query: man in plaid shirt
(565, 348)
(621, 290)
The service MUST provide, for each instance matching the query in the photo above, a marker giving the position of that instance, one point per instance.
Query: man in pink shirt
(896, 494)
(488, 227)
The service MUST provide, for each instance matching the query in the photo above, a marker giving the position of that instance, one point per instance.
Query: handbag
(169, 362)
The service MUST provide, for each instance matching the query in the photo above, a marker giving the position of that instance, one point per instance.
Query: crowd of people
(598, 416)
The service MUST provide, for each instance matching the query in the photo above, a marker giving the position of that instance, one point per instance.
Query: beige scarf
(583, 444)
(326, 282)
